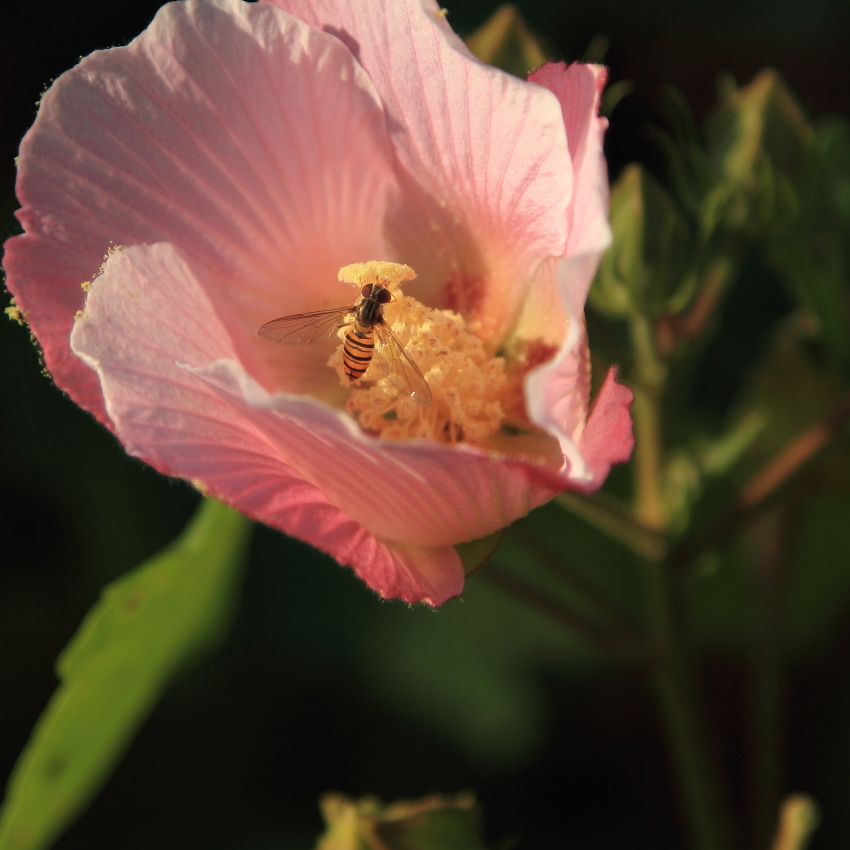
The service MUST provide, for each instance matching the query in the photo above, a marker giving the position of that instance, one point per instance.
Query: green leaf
(505, 41)
(146, 627)
(791, 388)
(697, 476)
(689, 171)
(815, 586)
(756, 138)
(644, 269)
(717, 597)
(613, 94)
(757, 121)
(433, 823)
(810, 245)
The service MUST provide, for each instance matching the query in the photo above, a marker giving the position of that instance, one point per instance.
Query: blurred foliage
(148, 626)
(761, 181)
(505, 41)
(644, 267)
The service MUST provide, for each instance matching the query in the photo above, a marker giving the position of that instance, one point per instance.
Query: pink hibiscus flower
(218, 171)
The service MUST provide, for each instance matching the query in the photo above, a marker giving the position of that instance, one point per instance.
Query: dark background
(321, 686)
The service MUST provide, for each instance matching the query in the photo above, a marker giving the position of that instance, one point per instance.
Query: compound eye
(366, 291)
(384, 296)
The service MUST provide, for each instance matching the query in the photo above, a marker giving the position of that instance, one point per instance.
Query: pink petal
(416, 493)
(147, 317)
(578, 89)
(557, 394)
(483, 166)
(411, 573)
(250, 140)
(608, 439)
(181, 401)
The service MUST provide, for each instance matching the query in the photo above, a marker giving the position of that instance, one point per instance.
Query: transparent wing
(304, 328)
(404, 374)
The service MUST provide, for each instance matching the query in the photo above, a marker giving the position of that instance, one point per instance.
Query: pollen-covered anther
(466, 383)
(376, 271)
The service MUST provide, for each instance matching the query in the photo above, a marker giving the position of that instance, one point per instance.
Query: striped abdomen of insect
(357, 350)
(359, 343)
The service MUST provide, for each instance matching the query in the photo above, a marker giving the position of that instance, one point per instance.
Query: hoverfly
(365, 321)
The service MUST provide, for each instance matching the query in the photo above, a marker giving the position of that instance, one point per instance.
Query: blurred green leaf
(613, 94)
(815, 583)
(832, 143)
(791, 388)
(146, 627)
(433, 823)
(460, 674)
(690, 173)
(700, 474)
(681, 117)
(616, 521)
(759, 122)
(505, 41)
(717, 598)
(644, 269)
(766, 176)
(810, 247)
(596, 49)
(790, 391)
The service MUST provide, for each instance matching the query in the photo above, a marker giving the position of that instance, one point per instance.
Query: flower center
(466, 384)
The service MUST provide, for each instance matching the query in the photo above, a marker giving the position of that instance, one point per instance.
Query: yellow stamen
(466, 383)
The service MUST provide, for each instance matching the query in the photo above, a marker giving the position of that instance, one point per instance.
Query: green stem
(649, 452)
(766, 675)
(768, 544)
(696, 769)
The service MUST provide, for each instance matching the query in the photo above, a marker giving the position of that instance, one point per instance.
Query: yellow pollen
(467, 384)
(376, 271)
